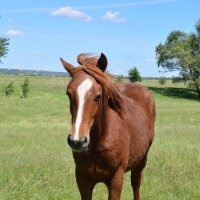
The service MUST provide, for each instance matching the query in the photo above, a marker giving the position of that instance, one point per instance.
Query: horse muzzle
(78, 145)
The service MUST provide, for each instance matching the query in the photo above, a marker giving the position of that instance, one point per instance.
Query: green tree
(4, 42)
(9, 89)
(181, 52)
(134, 75)
(25, 88)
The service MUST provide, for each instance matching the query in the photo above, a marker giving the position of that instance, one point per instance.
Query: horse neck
(99, 128)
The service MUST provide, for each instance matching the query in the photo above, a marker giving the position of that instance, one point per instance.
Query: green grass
(36, 163)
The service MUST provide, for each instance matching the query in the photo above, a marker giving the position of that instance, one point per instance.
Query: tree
(4, 42)
(9, 89)
(25, 88)
(181, 52)
(134, 75)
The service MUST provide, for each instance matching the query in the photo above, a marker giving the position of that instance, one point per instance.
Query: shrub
(25, 88)
(9, 89)
(162, 80)
(134, 75)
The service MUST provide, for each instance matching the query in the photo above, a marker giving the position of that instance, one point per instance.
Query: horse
(112, 127)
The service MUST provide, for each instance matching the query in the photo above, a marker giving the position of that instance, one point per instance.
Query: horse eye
(97, 98)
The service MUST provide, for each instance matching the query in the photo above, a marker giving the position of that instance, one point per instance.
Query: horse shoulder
(143, 98)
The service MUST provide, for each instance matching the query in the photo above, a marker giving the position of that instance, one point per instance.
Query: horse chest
(98, 173)
(97, 167)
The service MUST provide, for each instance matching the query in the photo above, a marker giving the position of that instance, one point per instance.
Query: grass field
(36, 163)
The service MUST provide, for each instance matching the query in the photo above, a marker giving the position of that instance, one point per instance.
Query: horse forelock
(88, 64)
(87, 59)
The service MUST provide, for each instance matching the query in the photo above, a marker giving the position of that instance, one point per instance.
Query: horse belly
(139, 141)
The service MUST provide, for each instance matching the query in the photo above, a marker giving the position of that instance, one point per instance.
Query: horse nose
(77, 144)
(84, 141)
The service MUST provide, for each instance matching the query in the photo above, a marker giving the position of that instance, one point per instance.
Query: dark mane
(111, 95)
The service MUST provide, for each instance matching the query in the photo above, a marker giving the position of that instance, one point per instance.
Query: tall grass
(36, 163)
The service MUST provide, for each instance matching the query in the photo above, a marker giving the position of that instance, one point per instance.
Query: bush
(25, 88)
(9, 89)
(162, 80)
(134, 75)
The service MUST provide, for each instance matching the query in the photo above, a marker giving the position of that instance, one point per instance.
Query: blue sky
(127, 31)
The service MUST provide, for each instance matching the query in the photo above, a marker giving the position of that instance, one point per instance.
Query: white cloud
(114, 17)
(72, 13)
(15, 33)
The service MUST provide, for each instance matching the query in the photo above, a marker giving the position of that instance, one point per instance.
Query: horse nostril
(69, 139)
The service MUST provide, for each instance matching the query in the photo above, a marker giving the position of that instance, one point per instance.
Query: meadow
(36, 162)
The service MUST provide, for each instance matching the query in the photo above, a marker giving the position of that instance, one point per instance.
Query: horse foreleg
(136, 176)
(85, 186)
(115, 185)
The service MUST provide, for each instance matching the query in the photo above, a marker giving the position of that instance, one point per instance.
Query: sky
(126, 31)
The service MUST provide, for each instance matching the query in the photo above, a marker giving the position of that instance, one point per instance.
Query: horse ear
(67, 66)
(102, 62)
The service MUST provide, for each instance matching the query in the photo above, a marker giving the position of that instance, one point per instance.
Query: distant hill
(50, 73)
(31, 72)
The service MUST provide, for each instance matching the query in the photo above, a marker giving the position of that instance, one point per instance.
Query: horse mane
(87, 59)
(88, 63)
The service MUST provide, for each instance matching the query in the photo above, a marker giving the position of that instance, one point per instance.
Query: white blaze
(82, 90)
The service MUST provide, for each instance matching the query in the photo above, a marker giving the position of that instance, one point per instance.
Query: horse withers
(112, 127)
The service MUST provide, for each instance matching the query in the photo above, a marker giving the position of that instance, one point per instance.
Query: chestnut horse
(112, 127)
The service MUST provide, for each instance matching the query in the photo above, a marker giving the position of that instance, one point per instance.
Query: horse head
(85, 94)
